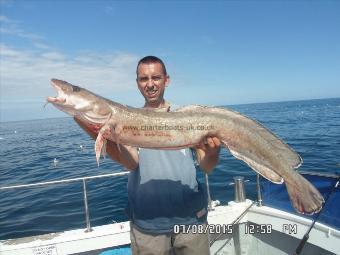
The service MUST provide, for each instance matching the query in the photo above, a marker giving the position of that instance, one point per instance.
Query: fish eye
(75, 88)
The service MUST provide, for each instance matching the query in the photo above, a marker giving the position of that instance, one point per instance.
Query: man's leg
(146, 244)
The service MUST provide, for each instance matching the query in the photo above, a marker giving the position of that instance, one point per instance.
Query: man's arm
(127, 155)
(208, 153)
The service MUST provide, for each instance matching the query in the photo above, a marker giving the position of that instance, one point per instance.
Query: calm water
(28, 149)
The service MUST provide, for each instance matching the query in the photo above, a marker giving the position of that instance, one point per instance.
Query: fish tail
(305, 198)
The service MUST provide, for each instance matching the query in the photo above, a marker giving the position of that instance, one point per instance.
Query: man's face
(151, 82)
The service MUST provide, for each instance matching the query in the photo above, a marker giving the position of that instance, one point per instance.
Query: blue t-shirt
(163, 191)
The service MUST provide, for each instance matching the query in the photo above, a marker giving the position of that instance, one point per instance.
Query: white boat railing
(259, 201)
(82, 179)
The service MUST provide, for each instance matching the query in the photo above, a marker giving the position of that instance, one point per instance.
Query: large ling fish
(245, 138)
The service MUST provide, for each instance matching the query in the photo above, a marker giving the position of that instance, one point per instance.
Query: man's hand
(208, 152)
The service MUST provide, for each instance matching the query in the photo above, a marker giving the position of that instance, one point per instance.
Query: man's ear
(167, 80)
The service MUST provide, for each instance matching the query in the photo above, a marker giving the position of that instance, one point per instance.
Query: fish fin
(298, 162)
(291, 157)
(260, 169)
(305, 198)
(103, 150)
(118, 146)
(98, 147)
(101, 141)
(281, 148)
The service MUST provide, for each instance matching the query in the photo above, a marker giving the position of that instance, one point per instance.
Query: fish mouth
(61, 96)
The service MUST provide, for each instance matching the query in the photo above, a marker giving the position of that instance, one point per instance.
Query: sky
(216, 52)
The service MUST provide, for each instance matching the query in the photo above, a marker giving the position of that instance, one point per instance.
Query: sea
(53, 149)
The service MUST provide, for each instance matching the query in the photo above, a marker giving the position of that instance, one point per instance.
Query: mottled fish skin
(245, 138)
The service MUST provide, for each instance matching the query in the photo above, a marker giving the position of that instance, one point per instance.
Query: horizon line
(270, 102)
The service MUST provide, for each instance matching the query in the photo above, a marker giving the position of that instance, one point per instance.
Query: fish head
(79, 102)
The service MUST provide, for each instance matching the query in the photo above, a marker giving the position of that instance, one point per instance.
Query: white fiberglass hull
(261, 229)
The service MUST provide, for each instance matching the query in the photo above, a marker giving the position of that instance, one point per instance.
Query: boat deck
(251, 234)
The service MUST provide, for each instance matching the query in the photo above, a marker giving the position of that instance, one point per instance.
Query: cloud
(28, 62)
(11, 27)
(26, 72)
(4, 18)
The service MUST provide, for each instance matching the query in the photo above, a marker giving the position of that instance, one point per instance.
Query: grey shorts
(168, 244)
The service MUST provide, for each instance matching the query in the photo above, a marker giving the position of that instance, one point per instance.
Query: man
(164, 195)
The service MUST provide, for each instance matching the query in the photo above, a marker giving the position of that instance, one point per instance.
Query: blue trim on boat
(276, 196)
(117, 251)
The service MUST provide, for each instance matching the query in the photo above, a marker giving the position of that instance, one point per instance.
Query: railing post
(240, 192)
(259, 195)
(87, 214)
